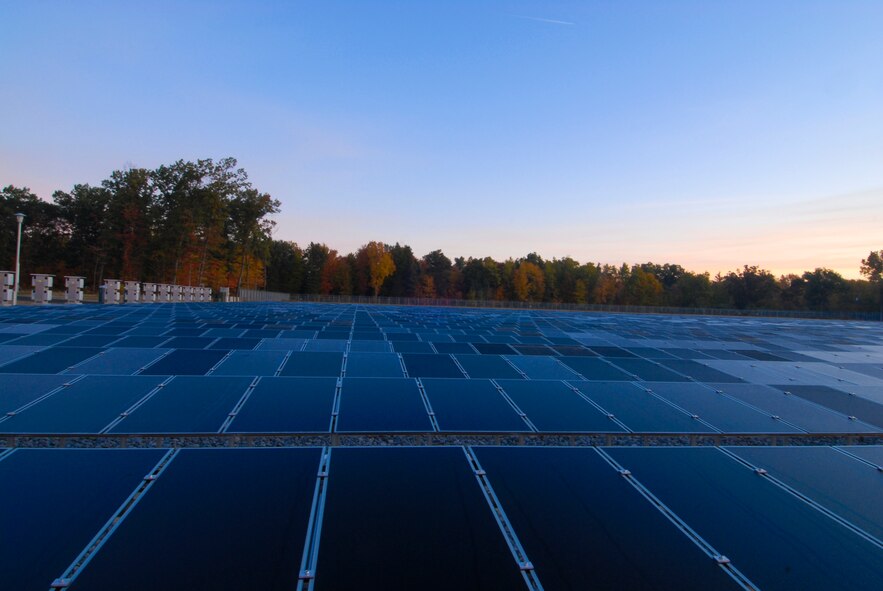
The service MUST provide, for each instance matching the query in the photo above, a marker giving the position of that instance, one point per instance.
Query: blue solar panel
(374, 365)
(834, 480)
(52, 503)
(119, 361)
(488, 366)
(250, 363)
(552, 406)
(418, 521)
(54, 360)
(382, 404)
(471, 405)
(287, 405)
(724, 413)
(186, 405)
(215, 519)
(425, 365)
(542, 368)
(777, 540)
(19, 390)
(584, 527)
(317, 364)
(87, 406)
(186, 362)
(638, 410)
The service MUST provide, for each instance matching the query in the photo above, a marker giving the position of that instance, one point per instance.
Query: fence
(257, 295)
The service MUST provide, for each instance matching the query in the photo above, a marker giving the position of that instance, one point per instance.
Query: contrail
(544, 20)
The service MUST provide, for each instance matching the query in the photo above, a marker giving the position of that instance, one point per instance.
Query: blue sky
(710, 134)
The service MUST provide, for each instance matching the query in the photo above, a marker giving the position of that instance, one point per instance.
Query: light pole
(20, 217)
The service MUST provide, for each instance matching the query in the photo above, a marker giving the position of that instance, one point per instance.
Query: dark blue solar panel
(189, 342)
(184, 534)
(250, 363)
(374, 365)
(455, 348)
(724, 413)
(542, 368)
(186, 362)
(382, 404)
(423, 365)
(119, 361)
(40, 339)
(371, 346)
(90, 341)
(552, 406)
(140, 341)
(54, 501)
(699, 371)
(795, 410)
(638, 410)
(419, 521)
(187, 405)
(471, 405)
(86, 406)
(776, 540)
(494, 348)
(235, 343)
(584, 526)
(318, 364)
(18, 390)
(834, 480)
(412, 347)
(287, 405)
(488, 366)
(869, 453)
(856, 406)
(54, 360)
(595, 369)
(649, 371)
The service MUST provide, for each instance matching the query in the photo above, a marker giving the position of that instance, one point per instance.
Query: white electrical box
(112, 291)
(73, 289)
(42, 288)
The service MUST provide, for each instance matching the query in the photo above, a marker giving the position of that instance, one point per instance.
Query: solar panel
(542, 368)
(639, 410)
(250, 363)
(775, 539)
(86, 406)
(316, 364)
(122, 362)
(287, 405)
(837, 400)
(419, 521)
(228, 519)
(585, 527)
(488, 366)
(595, 369)
(188, 362)
(52, 503)
(381, 404)
(426, 365)
(374, 365)
(19, 390)
(471, 405)
(832, 479)
(552, 406)
(725, 413)
(187, 404)
(53, 360)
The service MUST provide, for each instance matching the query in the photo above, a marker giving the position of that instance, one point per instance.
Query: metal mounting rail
(310, 557)
(706, 547)
(70, 574)
(524, 564)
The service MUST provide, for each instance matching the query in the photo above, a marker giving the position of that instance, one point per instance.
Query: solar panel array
(298, 446)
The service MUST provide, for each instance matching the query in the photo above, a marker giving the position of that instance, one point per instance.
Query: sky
(712, 134)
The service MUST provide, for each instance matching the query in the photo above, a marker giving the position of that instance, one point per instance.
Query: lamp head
(20, 217)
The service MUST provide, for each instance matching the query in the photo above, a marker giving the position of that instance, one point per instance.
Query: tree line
(204, 223)
(378, 269)
(188, 223)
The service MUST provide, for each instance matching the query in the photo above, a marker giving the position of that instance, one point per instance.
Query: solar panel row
(234, 519)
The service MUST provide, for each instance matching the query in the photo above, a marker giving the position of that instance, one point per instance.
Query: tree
(529, 282)
(821, 285)
(376, 260)
(751, 288)
(438, 266)
(872, 268)
(285, 268)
